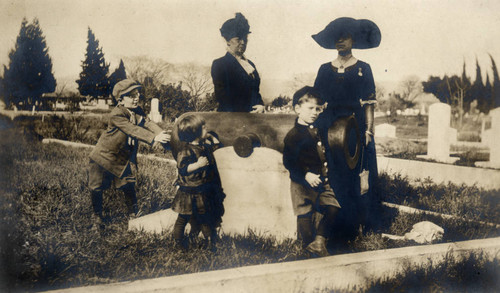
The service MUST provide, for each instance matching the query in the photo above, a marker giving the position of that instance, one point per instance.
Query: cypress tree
(495, 96)
(478, 90)
(117, 75)
(29, 74)
(94, 81)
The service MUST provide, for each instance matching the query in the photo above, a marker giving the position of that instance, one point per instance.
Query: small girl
(199, 199)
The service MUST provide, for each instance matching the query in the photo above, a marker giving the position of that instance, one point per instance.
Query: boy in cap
(304, 157)
(114, 159)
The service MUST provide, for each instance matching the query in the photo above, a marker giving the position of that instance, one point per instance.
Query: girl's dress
(200, 192)
(347, 91)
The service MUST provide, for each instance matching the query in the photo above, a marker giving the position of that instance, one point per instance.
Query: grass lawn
(45, 214)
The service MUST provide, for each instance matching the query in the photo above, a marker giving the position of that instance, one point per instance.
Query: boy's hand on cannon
(163, 137)
(313, 179)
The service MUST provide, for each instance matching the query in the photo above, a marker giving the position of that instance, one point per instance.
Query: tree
(174, 100)
(117, 75)
(495, 96)
(281, 101)
(199, 83)
(29, 74)
(410, 90)
(478, 91)
(209, 103)
(94, 81)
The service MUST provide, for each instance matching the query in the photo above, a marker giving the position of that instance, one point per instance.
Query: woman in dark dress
(347, 85)
(236, 80)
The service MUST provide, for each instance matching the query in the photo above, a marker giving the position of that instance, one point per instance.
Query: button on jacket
(301, 154)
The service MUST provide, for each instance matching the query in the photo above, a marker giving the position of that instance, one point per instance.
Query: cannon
(250, 165)
(246, 131)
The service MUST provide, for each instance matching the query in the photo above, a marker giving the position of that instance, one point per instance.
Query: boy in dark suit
(304, 157)
(114, 159)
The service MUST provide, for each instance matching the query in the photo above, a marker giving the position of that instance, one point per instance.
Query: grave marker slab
(257, 196)
(438, 142)
(385, 130)
(493, 141)
(155, 115)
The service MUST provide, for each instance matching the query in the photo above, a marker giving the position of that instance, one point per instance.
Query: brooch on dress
(360, 73)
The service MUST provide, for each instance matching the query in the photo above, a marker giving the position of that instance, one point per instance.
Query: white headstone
(438, 142)
(155, 115)
(385, 130)
(494, 141)
(257, 192)
(101, 104)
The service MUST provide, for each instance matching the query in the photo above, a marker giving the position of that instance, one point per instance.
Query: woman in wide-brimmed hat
(347, 85)
(236, 80)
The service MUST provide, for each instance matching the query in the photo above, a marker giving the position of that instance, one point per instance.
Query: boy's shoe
(97, 223)
(209, 245)
(179, 245)
(135, 215)
(318, 247)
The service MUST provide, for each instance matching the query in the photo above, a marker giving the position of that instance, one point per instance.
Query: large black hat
(365, 33)
(235, 27)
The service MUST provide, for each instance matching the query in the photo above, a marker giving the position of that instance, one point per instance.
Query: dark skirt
(203, 200)
(357, 210)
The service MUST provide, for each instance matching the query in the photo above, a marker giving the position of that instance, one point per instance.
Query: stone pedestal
(385, 130)
(101, 104)
(438, 142)
(155, 115)
(493, 141)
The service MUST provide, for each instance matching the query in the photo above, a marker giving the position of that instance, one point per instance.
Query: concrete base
(491, 165)
(440, 173)
(340, 272)
(447, 160)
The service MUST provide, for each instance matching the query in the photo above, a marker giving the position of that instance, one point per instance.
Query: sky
(419, 38)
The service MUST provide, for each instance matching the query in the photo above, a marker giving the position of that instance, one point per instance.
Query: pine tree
(478, 91)
(117, 75)
(94, 81)
(495, 96)
(29, 74)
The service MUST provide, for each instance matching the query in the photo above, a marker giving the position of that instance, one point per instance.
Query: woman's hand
(258, 109)
(368, 137)
(313, 179)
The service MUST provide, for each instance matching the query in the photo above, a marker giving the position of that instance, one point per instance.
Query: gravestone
(493, 141)
(101, 104)
(257, 192)
(438, 134)
(155, 115)
(385, 130)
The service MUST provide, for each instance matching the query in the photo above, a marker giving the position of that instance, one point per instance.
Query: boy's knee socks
(96, 197)
(326, 224)
(305, 229)
(179, 226)
(130, 199)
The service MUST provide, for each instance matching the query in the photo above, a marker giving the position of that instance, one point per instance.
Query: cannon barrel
(245, 131)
